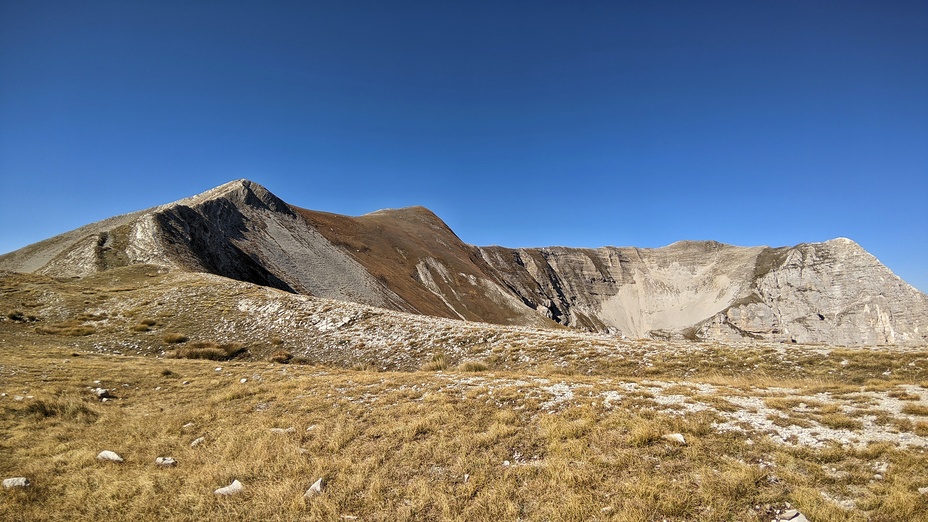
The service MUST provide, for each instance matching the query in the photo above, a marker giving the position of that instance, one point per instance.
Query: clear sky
(519, 123)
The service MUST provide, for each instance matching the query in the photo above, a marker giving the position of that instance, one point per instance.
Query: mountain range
(409, 260)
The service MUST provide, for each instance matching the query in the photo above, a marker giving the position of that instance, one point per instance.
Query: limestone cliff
(409, 260)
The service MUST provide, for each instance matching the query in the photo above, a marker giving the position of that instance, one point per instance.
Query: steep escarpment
(834, 292)
(410, 260)
(632, 291)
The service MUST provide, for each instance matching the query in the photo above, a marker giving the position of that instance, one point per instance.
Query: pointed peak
(241, 191)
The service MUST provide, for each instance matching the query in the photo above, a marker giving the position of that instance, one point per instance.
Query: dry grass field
(407, 418)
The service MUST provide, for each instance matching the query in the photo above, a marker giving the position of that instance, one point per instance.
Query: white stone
(313, 490)
(16, 482)
(675, 437)
(109, 455)
(232, 489)
(165, 462)
(291, 429)
(197, 441)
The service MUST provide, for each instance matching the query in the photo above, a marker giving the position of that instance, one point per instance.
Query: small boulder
(197, 441)
(675, 437)
(16, 482)
(165, 462)
(109, 455)
(313, 490)
(101, 393)
(793, 515)
(234, 488)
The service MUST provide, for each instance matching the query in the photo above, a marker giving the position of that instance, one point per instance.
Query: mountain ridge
(408, 259)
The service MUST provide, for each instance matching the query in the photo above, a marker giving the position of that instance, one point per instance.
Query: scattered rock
(219, 368)
(923, 491)
(674, 437)
(793, 515)
(232, 489)
(197, 441)
(291, 429)
(311, 427)
(109, 455)
(506, 463)
(187, 426)
(18, 398)
(313, 490)
(466, 478)
(165, 462)
(185, 382)
(243, 380)
(16, 482)
(101, 393)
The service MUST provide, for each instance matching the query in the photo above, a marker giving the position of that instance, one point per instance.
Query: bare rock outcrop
(409, 260)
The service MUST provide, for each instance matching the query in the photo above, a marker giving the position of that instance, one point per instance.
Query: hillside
(409, 260)
(410, 417)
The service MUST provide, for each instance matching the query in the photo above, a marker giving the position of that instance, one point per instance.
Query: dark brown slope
(409, 260)
(418, 257)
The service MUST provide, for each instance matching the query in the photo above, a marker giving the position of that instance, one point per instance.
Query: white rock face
(833, 292)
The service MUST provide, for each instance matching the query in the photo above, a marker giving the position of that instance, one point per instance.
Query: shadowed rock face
(409, 260)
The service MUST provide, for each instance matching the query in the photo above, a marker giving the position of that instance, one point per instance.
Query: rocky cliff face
(409, 260)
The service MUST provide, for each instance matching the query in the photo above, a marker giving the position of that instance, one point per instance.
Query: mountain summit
(409, 260)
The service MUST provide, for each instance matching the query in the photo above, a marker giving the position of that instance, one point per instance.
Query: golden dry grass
(393, 446)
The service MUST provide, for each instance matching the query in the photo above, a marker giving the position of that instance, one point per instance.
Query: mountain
(409, 260)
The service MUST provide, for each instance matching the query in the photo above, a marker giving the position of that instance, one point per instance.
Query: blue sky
(519, 123)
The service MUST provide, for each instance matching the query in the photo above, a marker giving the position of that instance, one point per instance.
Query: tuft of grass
(208, 350)
(473, 366)
(72, 328)
(915, 409)
(174, 338)
(438, 362)
(281, 357)
(67, 409)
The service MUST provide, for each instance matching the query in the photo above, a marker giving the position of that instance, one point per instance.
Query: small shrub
(439, 362)
(148, 322)
(174, 338)
(281, 356)
(277, 341)
(168, 373)
(16, 316)
(140, 328)
(473, 366)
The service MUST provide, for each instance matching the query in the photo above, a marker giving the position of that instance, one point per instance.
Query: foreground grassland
(406, 417)
(450, 445)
